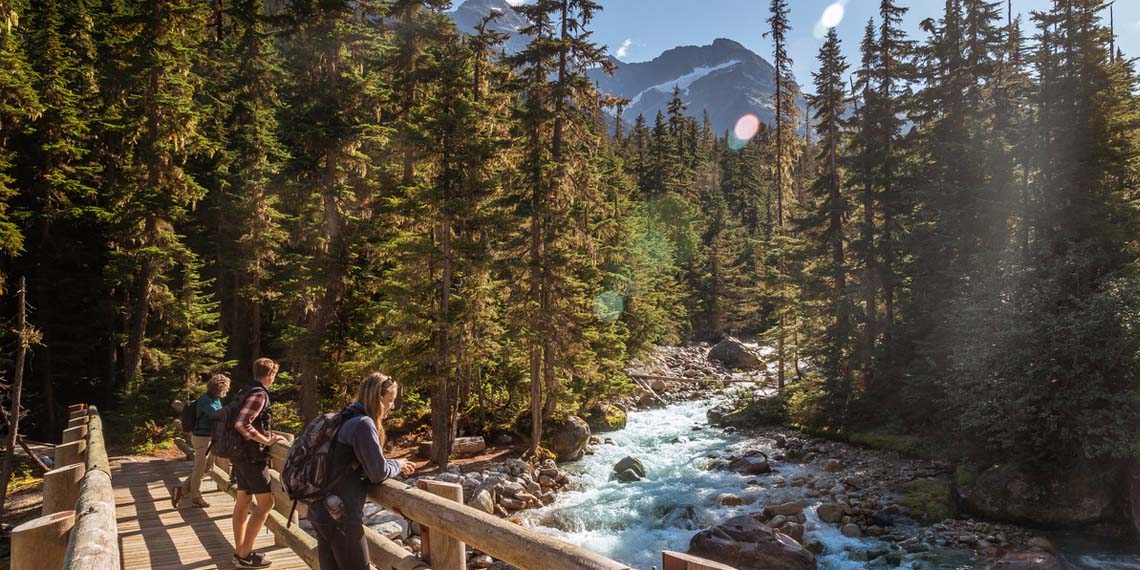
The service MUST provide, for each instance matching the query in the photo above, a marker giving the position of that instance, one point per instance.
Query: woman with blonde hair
(358, 457)
(206, 405)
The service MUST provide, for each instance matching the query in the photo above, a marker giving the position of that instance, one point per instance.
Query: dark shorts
(251, 476)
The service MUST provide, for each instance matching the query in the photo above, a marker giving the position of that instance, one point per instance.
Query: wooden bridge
(90, 524)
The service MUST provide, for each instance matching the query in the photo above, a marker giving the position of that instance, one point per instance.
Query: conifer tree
(556, 96)
(18, 106)
(254, 157)
(824, 222)
(784, 157)
(164, 122)
(337, 90)
(864, 157)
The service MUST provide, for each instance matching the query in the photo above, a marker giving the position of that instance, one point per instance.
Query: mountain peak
(470, 13)
(725, 79)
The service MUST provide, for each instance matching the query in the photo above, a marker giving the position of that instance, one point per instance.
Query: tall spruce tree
(337, 89)
(18, 106)
(162, 123)
(557, 95)
(824, 226)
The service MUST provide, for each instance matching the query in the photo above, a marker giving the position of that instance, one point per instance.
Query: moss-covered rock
(606, 417)
(931, 500)
(763, 412)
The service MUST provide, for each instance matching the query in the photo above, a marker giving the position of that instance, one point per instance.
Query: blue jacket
(206, 406)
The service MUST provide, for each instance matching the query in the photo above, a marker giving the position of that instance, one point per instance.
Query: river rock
(851, 530)
(1031, 559)
(733, 354)
(482, 501)
(716, 415)
(755, 465)
(832, 465)
(786, 509)
(794, 530)
(730, 500)
(630, 462)
(627, 476)
(746, 544)
(567, 438)
(512, 504)
(482, 561)
(385, 522)
(1077, 496)
(830, 512)
(605, 417)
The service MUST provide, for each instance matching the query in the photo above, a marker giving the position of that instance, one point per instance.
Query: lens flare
(832, 15)
(746, 127)
(608, 306)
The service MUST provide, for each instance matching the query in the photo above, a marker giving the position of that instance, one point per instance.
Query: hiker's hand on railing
(406, 467)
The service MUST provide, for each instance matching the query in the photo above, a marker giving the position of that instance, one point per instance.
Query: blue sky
(648, 27)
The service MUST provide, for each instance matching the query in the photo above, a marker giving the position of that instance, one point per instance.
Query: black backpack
(189, 417)
(226, 441)
(308, 474)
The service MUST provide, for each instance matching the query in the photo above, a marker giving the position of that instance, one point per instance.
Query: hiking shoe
(175, 496)
(254, 560)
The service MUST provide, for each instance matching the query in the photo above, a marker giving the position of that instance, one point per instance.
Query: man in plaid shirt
(251, 471)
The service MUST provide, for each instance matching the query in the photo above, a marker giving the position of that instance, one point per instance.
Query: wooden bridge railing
(77, 528)
(447, 526)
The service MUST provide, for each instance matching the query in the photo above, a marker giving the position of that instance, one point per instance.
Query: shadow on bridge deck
(154, 535)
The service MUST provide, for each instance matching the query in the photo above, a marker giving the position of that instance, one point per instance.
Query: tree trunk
(333, 289)
(442, 402)
(871, 305)
(17, 389)
(140, 307)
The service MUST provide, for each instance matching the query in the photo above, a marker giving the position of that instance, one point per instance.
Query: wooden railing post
(61, 488)
(69, 453)
(75, 434)
(679, 561)
(41, 542)
(443, 552)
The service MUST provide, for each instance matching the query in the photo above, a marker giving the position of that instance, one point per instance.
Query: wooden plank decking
(153, 535)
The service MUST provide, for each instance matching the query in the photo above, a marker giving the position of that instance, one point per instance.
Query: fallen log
(463, 447)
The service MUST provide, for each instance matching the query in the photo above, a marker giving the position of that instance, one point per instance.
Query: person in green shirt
(206, 405)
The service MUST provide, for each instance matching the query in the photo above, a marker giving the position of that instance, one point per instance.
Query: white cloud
(624, 49)
(516, 2)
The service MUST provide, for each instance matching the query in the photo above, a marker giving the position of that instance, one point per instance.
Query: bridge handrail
(94, 540)
(504, 540)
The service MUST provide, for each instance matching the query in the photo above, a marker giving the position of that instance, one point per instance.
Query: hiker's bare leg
(241, 512)
(256, 521)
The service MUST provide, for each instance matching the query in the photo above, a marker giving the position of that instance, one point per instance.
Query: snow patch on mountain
(684, 81)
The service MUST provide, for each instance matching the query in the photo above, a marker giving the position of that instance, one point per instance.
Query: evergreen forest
(949, 249)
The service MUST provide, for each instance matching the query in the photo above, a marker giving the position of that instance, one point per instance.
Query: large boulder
(1077, 496)
(630, 463)
(567, 438)
(606, 417)
(747, 544)
(733, 354)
